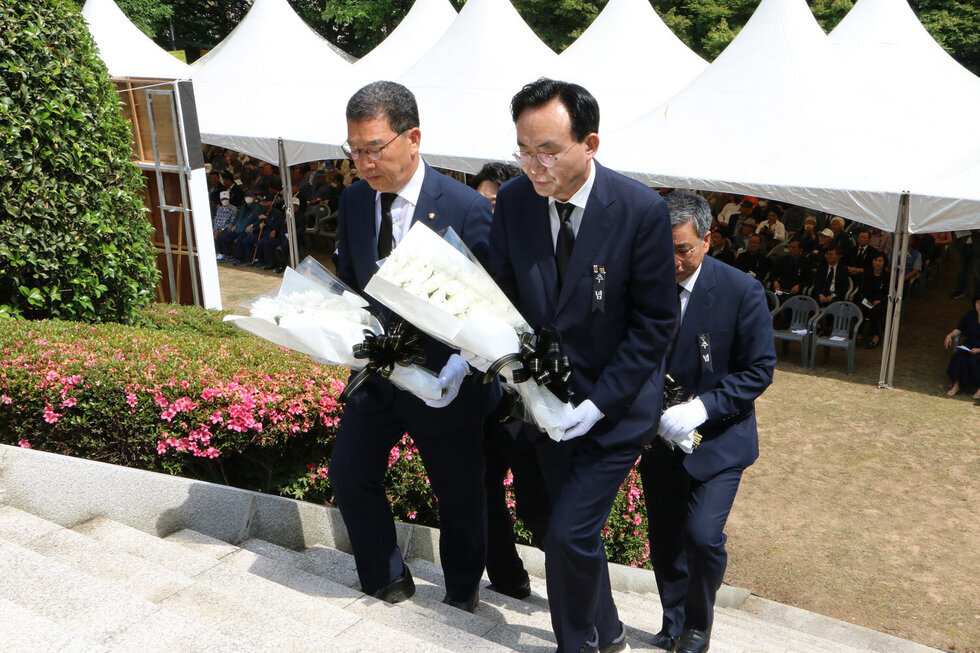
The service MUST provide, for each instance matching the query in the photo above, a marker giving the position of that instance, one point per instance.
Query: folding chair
(802, 309)
(847, 318)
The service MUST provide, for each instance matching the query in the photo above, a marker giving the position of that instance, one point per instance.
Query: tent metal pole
(896, 287)
(287, 197)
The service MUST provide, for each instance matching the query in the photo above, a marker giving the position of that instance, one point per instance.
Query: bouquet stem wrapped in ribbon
(437, 284)
(314, 313)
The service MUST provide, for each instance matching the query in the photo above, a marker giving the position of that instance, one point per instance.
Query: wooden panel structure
(134, 105)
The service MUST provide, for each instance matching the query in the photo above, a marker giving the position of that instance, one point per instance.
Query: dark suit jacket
(857, 260)
(790, 271)
(841, 281)
(731, 309)
(451, 204)
(758, 264)
(617, 351)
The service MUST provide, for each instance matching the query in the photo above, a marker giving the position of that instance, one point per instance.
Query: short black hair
(385, 99)
(833, 248)
(581, 105)
(227, 175)
(495, 172)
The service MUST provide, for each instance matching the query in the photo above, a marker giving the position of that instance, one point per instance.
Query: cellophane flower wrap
(438, 285)
(316, 314)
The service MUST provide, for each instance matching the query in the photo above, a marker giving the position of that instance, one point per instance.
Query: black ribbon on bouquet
(398, 344)
(541, 360)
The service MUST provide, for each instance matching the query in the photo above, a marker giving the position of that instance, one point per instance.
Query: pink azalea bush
(190, 395)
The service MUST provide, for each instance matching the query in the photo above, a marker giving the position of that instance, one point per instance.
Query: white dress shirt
(403, 208)
(688, 288)
(579, 199)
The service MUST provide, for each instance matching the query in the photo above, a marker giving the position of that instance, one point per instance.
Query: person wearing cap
(745, 209)
(740, 240)
(817, 257)
(245, 219)
(223, 219)
(245, 246)
(399, 189)
(773, 231)
(274, 239)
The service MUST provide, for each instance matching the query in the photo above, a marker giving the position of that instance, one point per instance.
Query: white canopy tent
(630, 60)
(419, 30)
(256, 87)
(464, 84)
(125, 49)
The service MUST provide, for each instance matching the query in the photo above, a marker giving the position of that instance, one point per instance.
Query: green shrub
(74, 239)
(188, 394)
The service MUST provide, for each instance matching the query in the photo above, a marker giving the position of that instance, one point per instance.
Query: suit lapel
(698, 313)
(363, 239)
(429, 203)
(596, 223)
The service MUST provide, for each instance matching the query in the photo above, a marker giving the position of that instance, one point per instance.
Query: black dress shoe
(664, 641)
(399, 590)
(520, 591)
(692, 641)
(469, 604)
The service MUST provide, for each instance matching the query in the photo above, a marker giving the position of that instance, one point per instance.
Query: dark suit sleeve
(653, 297)
(476, 228)
(345, 266)
(499, 265)
(753, 357)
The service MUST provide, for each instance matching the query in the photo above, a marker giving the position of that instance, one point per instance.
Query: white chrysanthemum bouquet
(316, 314)
(438, 285)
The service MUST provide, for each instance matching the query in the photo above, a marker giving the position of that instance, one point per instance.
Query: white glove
(482, 364)
(450, 378)
(678, 421)
(582, 418)
(475, 361)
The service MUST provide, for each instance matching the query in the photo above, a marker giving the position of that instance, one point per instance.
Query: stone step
(67, 597)
(829, 628)
(238, 603)
(391, 628)
(337, 566)
(23, 631)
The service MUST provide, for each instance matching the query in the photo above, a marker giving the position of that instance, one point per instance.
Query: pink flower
(131, 400)
(23, 444)
(68, 403)
(50, 416)
(5, 399)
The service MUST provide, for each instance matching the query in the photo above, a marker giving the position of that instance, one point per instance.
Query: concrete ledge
(69, 491)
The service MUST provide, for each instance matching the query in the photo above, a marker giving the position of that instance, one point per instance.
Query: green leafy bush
(187, 394)
(74, 239)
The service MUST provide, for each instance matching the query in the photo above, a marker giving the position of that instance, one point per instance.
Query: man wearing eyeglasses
(398, 188)
(723, 355)
(587, 251)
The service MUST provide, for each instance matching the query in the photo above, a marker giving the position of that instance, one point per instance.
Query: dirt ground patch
(864, 504)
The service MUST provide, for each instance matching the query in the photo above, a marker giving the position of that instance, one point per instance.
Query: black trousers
(503, 451)
(687, 541)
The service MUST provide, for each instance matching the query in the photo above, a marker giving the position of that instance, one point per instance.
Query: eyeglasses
(546, 159)
(683, 252)
(373, 153)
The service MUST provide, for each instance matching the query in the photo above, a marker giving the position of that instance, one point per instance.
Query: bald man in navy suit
(587, 251)
(397, 189)
(723, 355)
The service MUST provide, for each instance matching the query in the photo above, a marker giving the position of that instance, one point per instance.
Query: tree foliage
(74, 240)
(706, 26)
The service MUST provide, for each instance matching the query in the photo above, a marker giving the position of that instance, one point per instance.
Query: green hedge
(74, 239)
(187, 394)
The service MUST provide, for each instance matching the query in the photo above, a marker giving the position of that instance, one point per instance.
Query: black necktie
(669, 352)
(566, 238)
(830, 279)
(384, 232)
